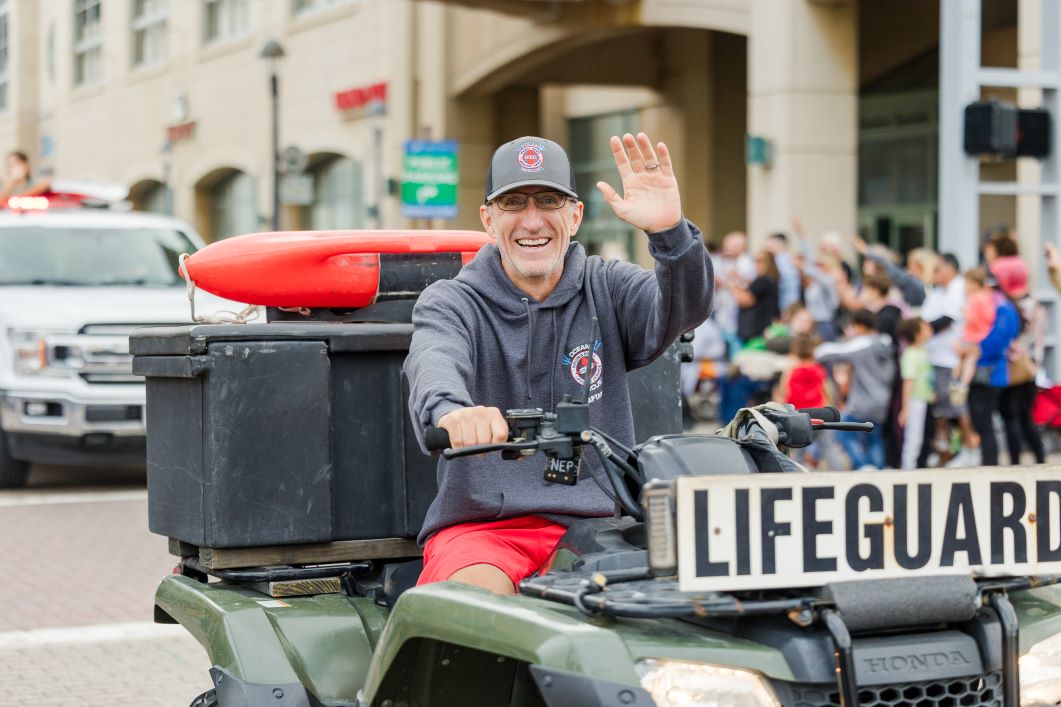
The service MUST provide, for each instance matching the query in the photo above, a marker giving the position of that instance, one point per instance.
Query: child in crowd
(872, 360)
(979, 318)
(804, 386)
(918, 383)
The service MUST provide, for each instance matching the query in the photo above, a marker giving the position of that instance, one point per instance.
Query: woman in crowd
(18, 180)
(758, 303)
(1025, 358)
(820, 294)
(992, 374)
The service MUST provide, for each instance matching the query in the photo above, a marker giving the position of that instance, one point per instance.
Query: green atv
(283, 468)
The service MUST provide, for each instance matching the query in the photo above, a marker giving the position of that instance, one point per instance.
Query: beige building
(172, 100)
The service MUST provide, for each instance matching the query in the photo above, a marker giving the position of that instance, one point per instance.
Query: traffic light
(1005, 131)
(1033, 132)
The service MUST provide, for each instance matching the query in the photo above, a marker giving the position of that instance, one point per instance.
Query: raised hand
(1053, 257)
(650, 200)
(860, 245)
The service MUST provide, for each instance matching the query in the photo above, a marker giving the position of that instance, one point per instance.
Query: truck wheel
(13, 472)
(207, 699)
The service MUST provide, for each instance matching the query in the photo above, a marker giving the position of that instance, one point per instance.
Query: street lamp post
(272, 52)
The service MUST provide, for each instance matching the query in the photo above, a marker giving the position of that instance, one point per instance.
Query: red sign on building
(180, 133)
(371, 99)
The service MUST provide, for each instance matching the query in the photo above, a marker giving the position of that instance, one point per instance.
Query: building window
(601, 232)
(224, 20)
(897, 170)
(233, 207)
(338, 201)
(150, 38)
(299, 7)
(5, 54)
(88, 41)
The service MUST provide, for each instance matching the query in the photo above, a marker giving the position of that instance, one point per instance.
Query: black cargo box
(292, 433)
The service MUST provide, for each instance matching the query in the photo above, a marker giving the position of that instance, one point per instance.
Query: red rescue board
(333, 269)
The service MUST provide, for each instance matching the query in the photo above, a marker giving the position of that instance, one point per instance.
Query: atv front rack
(636, 594)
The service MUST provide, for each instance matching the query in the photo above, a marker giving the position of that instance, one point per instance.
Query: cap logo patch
(531, 158)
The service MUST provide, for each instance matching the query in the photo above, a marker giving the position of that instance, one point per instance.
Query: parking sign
(429, 179)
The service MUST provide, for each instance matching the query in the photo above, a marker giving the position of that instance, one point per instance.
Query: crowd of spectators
(938, 354)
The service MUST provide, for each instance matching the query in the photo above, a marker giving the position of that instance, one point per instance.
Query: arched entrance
(338, 193)
(687, 87)
(153, 196)
(226, 204)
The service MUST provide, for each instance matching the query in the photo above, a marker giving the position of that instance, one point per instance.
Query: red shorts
(516, 546)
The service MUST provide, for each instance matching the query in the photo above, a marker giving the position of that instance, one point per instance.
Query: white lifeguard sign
(765, 531)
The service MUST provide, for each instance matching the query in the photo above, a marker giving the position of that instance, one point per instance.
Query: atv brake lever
(842, 426)
(484, 448)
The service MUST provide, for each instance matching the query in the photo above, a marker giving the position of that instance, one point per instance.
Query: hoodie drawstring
(552, 373)
(526, 303)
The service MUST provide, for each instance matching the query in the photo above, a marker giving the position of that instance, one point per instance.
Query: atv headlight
(672, 683)
(1040, 673)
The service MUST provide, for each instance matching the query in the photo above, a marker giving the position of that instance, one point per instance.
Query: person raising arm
(512, 330)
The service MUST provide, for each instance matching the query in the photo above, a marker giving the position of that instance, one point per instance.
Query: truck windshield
(93, 257)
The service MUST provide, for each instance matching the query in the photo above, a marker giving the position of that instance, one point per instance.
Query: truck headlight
(1040, 673)
(31, 351)
(672, 683)
(39, 352)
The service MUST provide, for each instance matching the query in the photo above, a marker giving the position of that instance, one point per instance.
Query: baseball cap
(1011, 273)
(529, 161)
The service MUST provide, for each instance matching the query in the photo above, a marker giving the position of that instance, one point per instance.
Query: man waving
(512, 330)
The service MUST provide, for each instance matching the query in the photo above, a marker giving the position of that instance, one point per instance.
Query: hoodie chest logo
(578, 360)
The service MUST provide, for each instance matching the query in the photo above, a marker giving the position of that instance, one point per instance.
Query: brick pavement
(80, 563)
(73, 571)
(161, 671)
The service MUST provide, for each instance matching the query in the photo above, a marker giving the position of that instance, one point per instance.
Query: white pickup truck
(73, 284)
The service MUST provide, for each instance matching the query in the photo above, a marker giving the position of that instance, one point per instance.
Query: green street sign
(429, 179)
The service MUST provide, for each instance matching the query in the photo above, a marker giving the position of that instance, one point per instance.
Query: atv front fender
(470, 623)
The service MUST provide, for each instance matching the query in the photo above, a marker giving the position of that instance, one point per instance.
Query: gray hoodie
(479, 340)
(872, 362)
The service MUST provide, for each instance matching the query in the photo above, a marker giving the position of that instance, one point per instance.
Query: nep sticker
(763, 531)
(272, 603)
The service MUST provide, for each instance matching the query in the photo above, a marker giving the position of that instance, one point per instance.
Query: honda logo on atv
(916, 661)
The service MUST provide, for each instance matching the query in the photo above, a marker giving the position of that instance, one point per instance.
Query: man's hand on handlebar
(474, 426)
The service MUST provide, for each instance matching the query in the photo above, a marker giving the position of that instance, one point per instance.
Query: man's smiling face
(533, 241)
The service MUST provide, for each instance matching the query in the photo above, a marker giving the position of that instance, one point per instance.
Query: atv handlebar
(561, 435)
(825, 414)
(435, 438)
(828, 418)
